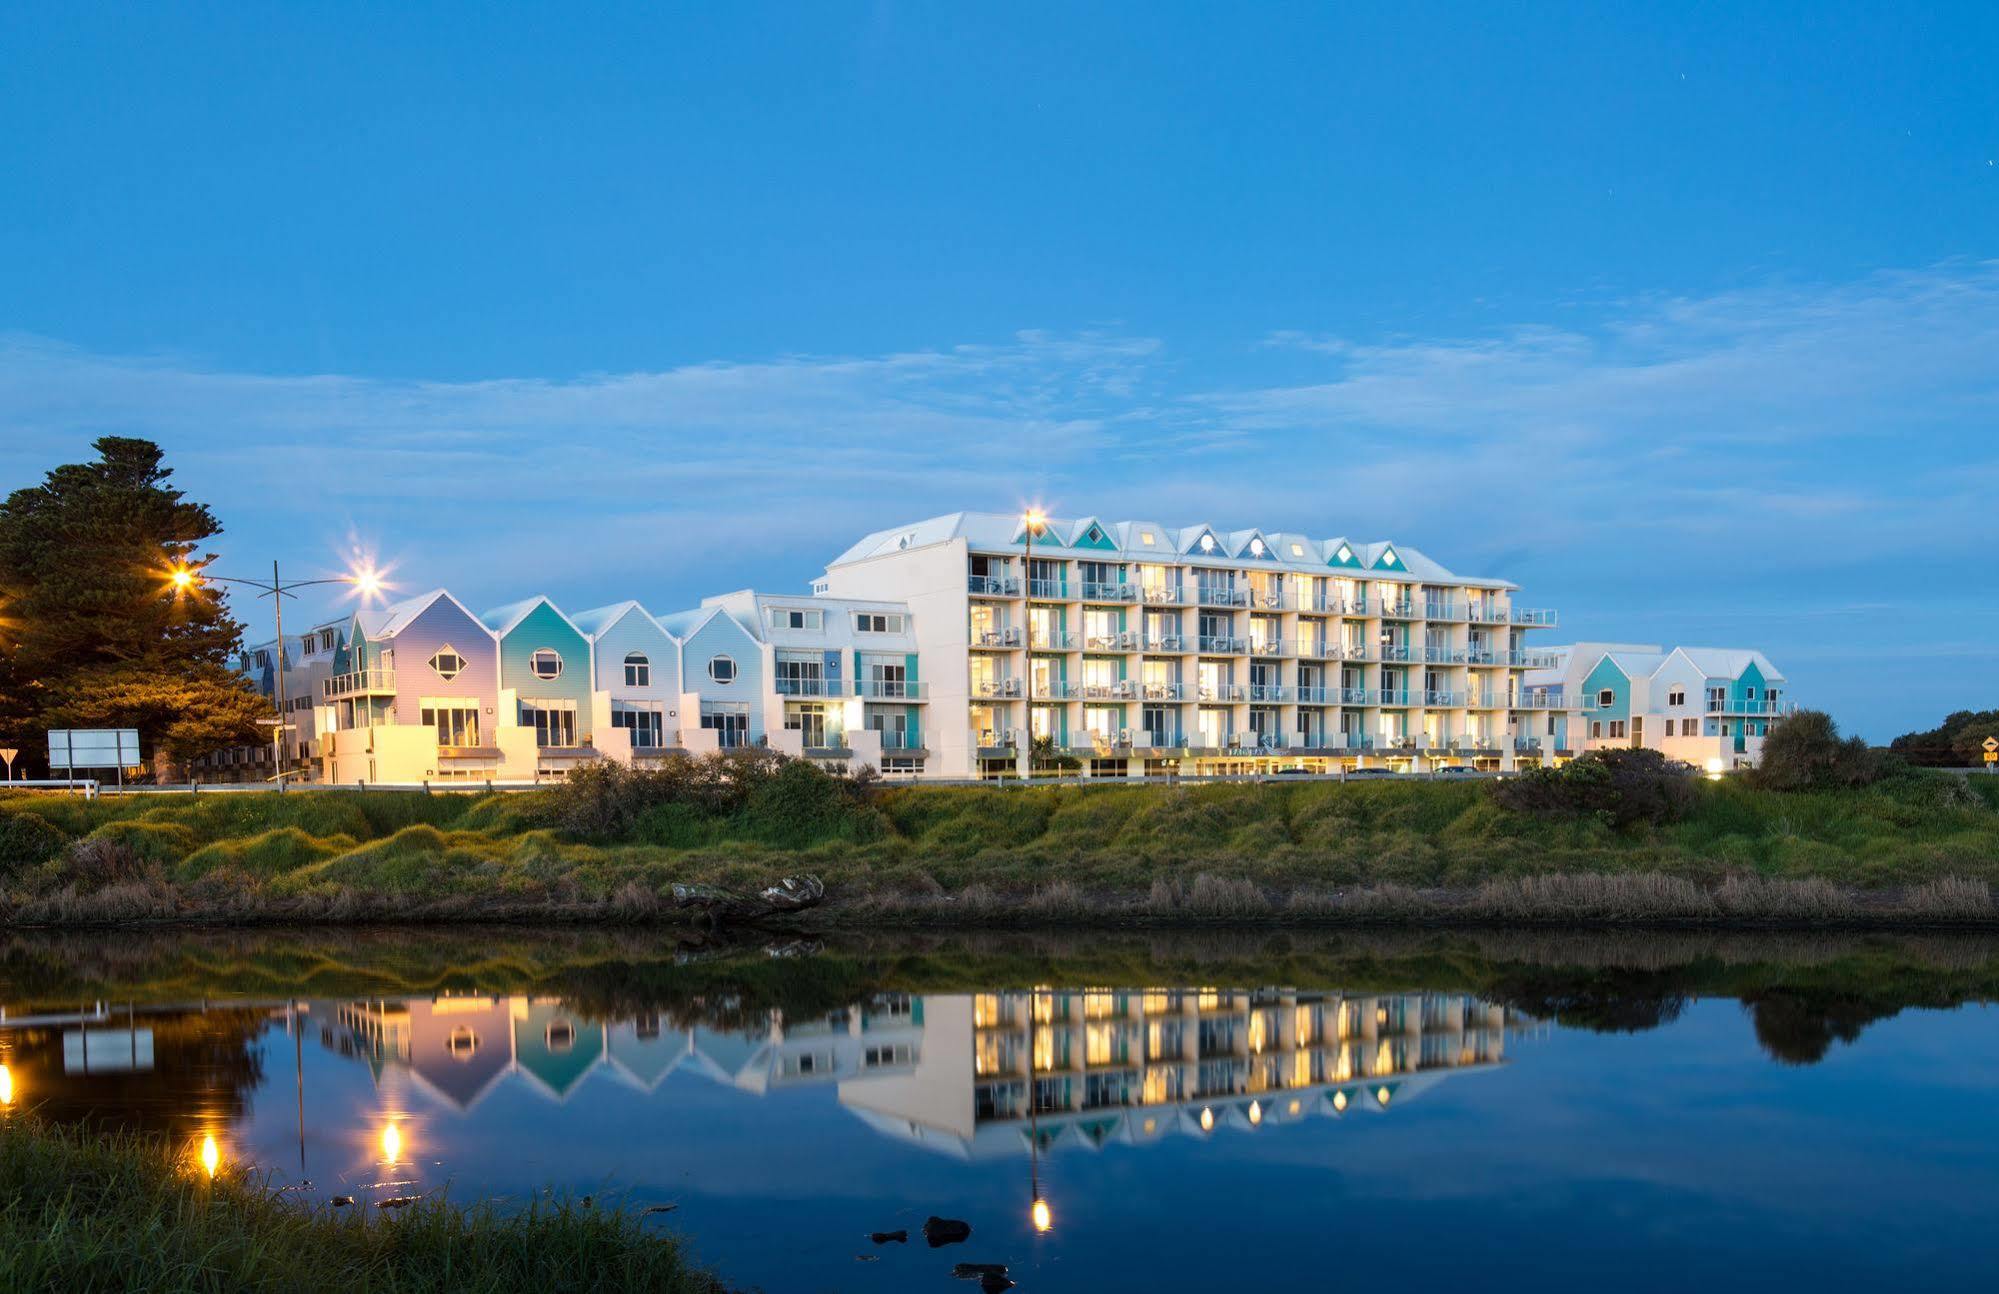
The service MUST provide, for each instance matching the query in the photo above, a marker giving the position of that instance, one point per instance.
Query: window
(462, 1043)
(1749, 694)
(1678, 696)
(1345, 554)
(545, 663)
(722, 669)
(1617, 727)
(1596, 728)
(1145, 537)
(456, 725)
(1297, 550)
(1690, 727)
(731, 727)
(645, 722)
(877, 622)
(796, 618)
(1606, 699)
(638, 670)
(554, 723)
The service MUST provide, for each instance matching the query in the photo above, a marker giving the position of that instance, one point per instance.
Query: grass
(1917, 847)
(84, 1211)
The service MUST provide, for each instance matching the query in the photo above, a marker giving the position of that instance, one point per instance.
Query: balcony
(1162, 595)
(1267, 600)
(1219, 692)
(1111, 642)
(1541, 700)
(1351, 653)
(1443, 611)
(1220, 595)
(1267, 647)
(908, 743)
(1315, 604)
(993, 586)
(1486, 614)
(1163, 643)
(809, 687)
(1393, 654)
(1359, 696)
(885, 689)
(1403, 610)
(1751, 709)
(1122, 690)
(1529, 616)
(1488, 700)
(996, 689)
(1267, 692)
(1222, 643)
(1160, 692)
(1100, 591)
(1056, 590)
(1054, 641)
(1481, 657)
(1315, 649)
(1395, 698)
(1448, 699)
(1318, 696)
(1355, 607)
(997, 639)
(1059, 690)
(1443, 656)
(366, 682)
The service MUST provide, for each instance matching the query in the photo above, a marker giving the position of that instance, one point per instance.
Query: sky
(1685, 318)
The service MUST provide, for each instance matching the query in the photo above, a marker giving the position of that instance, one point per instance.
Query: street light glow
(368, 581)
(1040, 1215)
(392, 1144)
(211, 1157)
(181, 578)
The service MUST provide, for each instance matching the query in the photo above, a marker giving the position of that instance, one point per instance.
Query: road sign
(7, 753)
(1992, 745)
(93, 748)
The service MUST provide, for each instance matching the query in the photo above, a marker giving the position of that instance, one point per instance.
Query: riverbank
(80, 1210)
(1918, 849)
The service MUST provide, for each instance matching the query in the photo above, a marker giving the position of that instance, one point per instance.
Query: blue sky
(1684, 317)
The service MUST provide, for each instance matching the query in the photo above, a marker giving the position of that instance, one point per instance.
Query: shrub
(1618, 787)
(28, 838)
(1804, 752)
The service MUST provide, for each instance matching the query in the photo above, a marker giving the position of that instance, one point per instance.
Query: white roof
(388, 621)
(999, 530)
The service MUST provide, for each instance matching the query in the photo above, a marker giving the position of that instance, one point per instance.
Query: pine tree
(95, 634)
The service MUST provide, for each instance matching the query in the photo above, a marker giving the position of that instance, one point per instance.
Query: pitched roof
(596, 620)
(1730, 662)
(501, 620)
(388, 621)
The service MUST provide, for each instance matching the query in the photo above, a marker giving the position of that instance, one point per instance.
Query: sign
(7, 753)
(1992, 745)
(91, 748)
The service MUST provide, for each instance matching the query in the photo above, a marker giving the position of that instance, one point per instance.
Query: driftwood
(792, 894)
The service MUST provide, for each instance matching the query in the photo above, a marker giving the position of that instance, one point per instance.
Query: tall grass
(79, 1211)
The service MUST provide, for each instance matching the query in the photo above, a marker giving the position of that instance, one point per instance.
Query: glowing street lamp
(1040, 1216)
(367, 582)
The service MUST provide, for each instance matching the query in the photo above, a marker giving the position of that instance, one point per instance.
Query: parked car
(1455, 770)
(1295, 772)
(1354, 773)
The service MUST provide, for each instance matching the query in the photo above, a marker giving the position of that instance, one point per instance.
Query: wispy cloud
(1773, 447)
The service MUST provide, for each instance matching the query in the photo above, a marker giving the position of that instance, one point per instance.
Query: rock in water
(889, 1237)
(946, 1231)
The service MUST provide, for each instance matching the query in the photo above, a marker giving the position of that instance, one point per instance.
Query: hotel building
(932, 649)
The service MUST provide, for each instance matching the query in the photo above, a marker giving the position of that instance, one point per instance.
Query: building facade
(934, 649)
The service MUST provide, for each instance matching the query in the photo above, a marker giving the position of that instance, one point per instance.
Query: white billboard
(91, 748)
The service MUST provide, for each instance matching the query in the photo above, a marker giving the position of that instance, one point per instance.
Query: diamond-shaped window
(447, 663)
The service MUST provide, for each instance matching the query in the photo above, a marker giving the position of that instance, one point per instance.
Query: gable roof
(388, 621)
(1729, 662)
(598, 620)
(503, 620)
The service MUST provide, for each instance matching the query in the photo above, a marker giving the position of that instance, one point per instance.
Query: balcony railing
(1395, 697)
(809, 687)
(1443, 611)
(1358, 696)
(1219, 692)
(1356, 606)
(1160, 595)
(1318, 696)
(1361, 654)
(1056, 589)
(895, 740)
(1451, 699)
(1486, 614)
(1219, 595)
(1054, 641)
(1529, 616)
(1752, 709)
(1160, 691)
(1222, 643)
(996, 689)
(1110, 642)
(1533, 659)
(1392, 654)
(998, 638)
(887, 689)
(1313, 648)
(1488, 700)
(1480, 656)
(1314, 604)
(1268, 691)
(1121, 690)
(993, 586)
(1542, 701)
(365, 682)
(1103, 591)
(1403, 610)
(1268, 600)
(1443, 656)
(1059, 690)
(1267, 647)
(1163, 643)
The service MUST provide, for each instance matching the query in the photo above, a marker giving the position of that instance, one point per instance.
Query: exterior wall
(634, 631)
(443, 623)
(546, 628)
(931, 582)
(723, 636)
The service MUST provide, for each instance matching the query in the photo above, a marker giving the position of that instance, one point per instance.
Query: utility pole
(1030, 521)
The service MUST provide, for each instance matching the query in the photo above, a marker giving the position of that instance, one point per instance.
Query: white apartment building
(1708, 706)
(1136, 647)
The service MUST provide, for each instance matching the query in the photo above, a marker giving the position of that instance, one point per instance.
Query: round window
(545, 663)
(722, 669)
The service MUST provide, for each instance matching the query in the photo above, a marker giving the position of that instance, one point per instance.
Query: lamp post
(185, 578)
(1031, 521)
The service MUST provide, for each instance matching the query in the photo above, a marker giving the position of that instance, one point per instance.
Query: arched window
(638, 670)
(722, 669)
(545, 663)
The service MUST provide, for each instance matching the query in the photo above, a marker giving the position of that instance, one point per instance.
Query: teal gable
(1606, 677)
(544, 639)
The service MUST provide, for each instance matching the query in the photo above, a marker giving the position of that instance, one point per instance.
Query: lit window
(1207, 543)
(1145, 537)
(638, 670)
(545, 663)
(462, 1043)
(447, 662)
(1256, 547)
(1297, 550)
(722, 669)
(1345, 554)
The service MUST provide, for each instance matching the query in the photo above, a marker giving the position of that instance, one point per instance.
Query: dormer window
(1345, 554)
(1207, 543)
(1297, 550)
(447, 664)
(545, 663)
(638, 669)
(1096, 536)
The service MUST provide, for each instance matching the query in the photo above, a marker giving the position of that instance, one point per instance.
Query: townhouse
(1707, 706)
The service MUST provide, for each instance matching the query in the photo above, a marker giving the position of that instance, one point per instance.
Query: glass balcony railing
(1101, 591)
(993, 586)
(1056, 589)
(1222, 643)
(1529, 616)
(365, 682)
(809, 687)
(889, 689)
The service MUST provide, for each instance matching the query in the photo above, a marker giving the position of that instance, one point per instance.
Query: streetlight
(366, 581)
(1031, 521)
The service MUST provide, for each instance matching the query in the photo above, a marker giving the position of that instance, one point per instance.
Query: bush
(1804, 752)
(1618, 787)
(27, 839)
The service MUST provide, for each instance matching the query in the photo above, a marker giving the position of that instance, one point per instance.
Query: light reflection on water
(1100, 1135)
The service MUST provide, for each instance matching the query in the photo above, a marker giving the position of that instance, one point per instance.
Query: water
(1299, 1112)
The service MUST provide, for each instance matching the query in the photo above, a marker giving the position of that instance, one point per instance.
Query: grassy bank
(1913, 847)
(80, 1211)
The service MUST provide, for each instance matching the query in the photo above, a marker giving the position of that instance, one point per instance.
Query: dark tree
(95, 633)
(1804, 752)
